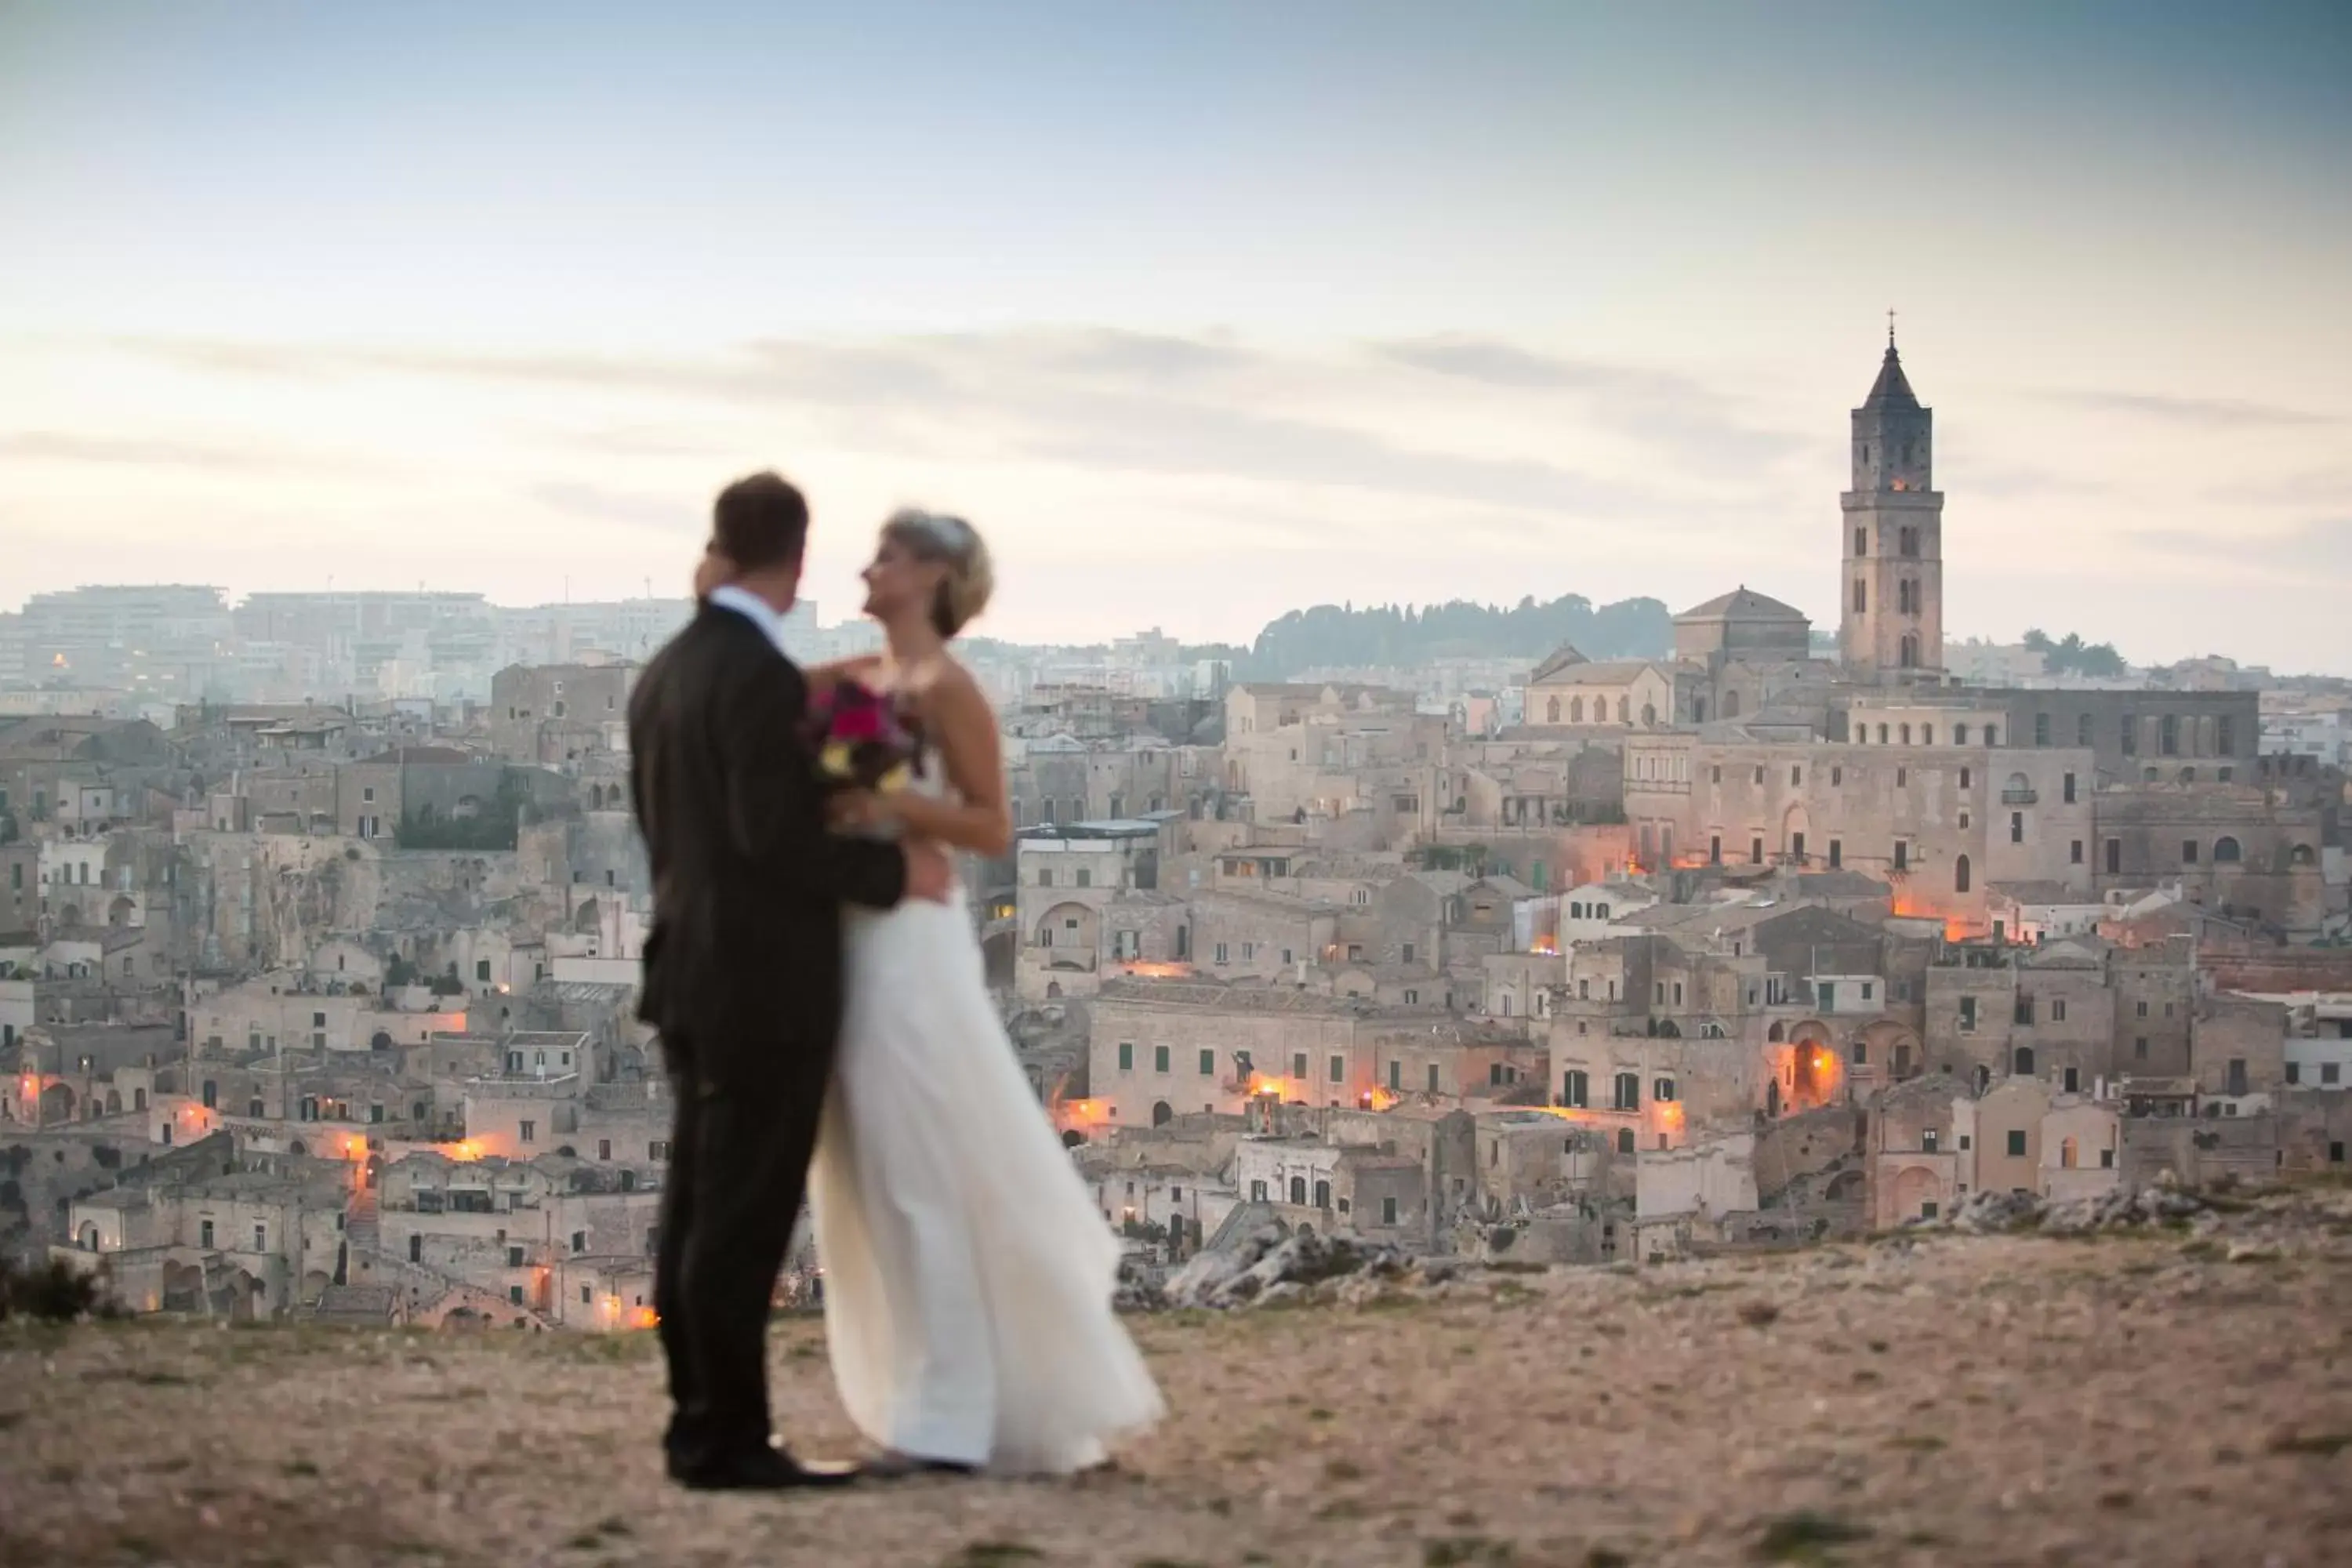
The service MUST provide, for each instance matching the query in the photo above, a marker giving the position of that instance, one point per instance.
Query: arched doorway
(1161, 1113)
(1960, 875)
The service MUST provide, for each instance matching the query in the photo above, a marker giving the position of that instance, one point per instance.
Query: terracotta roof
(1743, 602)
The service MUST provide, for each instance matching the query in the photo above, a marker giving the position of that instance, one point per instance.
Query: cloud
(2203, 413)
(62, 447)
(2319, 548)
(1661, 408)
(1091, 399)
(666, 516)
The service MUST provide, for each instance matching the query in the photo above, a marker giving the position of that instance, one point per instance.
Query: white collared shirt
(753, 608)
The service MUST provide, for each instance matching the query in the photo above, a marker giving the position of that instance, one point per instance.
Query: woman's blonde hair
(952, 543)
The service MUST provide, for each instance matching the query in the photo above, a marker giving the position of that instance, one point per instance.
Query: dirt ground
(1965, 1401)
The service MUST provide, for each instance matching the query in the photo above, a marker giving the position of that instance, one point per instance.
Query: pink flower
(856, 722)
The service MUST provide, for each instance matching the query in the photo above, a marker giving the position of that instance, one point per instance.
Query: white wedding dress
(968, 1274)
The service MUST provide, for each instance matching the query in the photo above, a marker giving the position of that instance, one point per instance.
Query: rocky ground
(2171, 1392)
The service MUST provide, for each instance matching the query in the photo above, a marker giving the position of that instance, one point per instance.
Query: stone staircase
(361, 1230)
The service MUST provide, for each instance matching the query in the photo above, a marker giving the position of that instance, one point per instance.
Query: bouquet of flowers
(862, 738)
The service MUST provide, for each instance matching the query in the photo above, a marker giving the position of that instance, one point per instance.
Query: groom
(743, 975)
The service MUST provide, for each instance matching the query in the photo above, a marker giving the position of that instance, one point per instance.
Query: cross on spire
(1890, 327)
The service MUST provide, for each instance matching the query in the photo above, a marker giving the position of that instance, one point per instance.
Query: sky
(1201, 313)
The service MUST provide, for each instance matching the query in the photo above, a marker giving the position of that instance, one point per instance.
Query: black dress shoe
(757, 1469)
(897, 1466)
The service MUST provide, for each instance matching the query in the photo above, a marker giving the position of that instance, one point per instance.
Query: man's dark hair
(760, 521)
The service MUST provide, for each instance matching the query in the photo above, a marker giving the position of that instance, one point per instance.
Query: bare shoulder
(946, 686)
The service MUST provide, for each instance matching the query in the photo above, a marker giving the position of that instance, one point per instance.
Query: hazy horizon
(1201, 317)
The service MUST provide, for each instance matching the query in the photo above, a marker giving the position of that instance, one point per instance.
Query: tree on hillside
(2070, 655)
(1332, 636)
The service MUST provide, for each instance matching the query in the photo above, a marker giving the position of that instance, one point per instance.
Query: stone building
(1938, 819)
(549, 715)
(1569, 690)
(1159, 1049)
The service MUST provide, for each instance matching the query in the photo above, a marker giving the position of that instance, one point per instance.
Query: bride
(968, 1274)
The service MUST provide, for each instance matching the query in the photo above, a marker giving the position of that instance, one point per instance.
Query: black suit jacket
(743, 965)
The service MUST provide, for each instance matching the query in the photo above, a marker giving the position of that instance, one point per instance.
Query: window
(1208, 1064)
(1756, 852)
(529, 1134)
(2130, 736)
(2074, 852)
(1960, 737)
(2042, 728)
(1837, 854)
(579, 1241)
(1159, 1059)
(603, 1148)
(1387, 1211)
(1574, 1091)
(514, 1297)
(1627, 1094)
(1127, 1055)
(416, 1249)
(1432, 1078)
(1960, 875)
(1339, 1068)
(1221, 952)
(1662, 1090)
(481, 971)
(2167, 734)
(2226, 852)
(2016, 1143)
(1625, 1139)
(1902, 855)
(2140, 1048)
(1045, 873)
(1715, 850)
(1967, 1013)
(2225, 735)
(1862, 535)
(1085, 878)
(657, 1151)
(2066, 789)
(1928, 1141)
(1860, 597)
(2115, 856)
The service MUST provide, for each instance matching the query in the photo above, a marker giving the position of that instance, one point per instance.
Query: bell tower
(1892, 628)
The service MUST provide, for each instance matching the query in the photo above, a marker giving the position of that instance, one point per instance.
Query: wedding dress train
(968, 1274)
